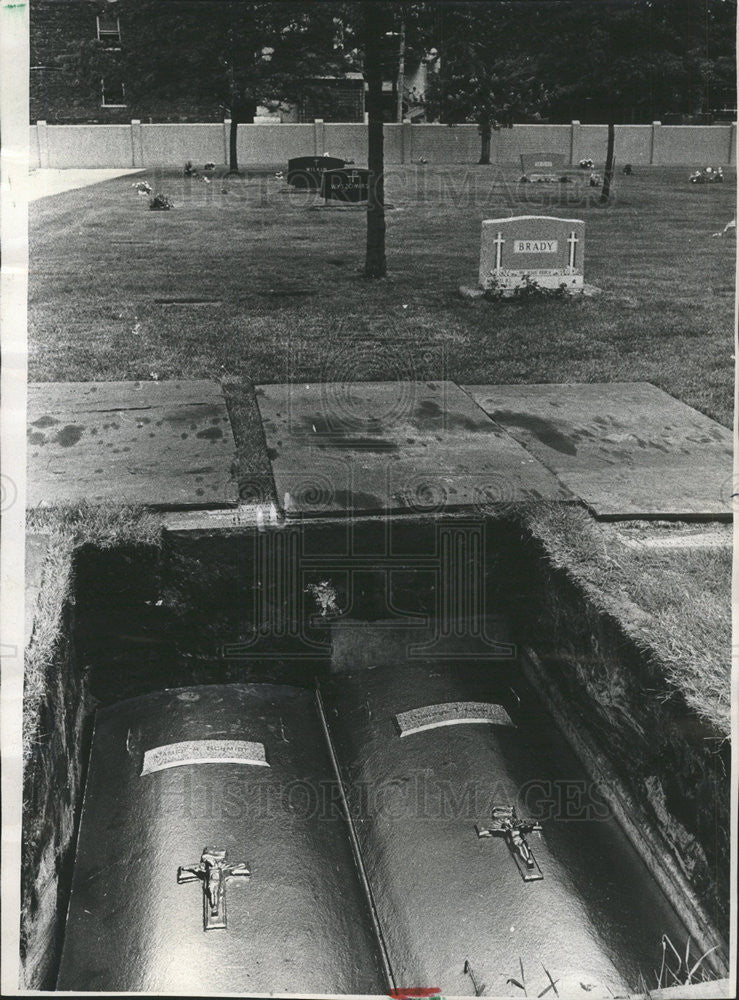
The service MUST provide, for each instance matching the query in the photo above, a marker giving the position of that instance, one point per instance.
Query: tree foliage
(637, 60)
(487, 69)
(619, 60)
(228, 55)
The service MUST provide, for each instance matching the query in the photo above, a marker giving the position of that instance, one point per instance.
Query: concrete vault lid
(627, 449)
(382, 447)
(162, 444)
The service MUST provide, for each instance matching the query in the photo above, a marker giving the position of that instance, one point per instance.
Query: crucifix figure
(572, 241)
(508, 825)
(212, 871)
(498, 243)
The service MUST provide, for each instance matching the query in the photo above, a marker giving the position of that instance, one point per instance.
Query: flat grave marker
(161, 444)
(538, 248)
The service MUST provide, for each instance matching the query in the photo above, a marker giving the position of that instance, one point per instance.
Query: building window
(113, 93)
(109, 31)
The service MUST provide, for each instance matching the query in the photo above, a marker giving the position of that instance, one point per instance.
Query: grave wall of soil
(672, 766)
(52, 785)
(55, 762)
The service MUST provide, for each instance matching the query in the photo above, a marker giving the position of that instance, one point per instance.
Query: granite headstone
(538, 165)
(306, 171)
(349, 185)
(532, 248)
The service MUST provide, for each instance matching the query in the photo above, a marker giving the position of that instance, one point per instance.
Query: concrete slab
(36, 549)
(161, 444)
(626, 448)
(372, 447)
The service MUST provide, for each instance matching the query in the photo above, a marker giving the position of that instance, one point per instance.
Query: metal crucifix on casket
(212, 871)
(508, 825)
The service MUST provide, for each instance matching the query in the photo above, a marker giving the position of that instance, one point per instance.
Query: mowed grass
(287, 300)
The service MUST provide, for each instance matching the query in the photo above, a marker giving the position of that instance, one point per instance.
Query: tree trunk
(486, 133)
(605, 195)
(375, 265)
(400, 86)
(242, 112)
(233, 156)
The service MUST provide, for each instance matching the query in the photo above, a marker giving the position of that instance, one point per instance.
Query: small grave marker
(307, 171)
(532, 248)
(349, 185)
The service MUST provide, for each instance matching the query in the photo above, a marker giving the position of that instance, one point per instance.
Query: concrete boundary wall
(171, 145)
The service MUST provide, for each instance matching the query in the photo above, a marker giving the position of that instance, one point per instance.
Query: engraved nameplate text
(204, 752)
(453, 713)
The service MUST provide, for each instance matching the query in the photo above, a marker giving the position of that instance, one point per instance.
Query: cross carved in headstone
(508, 825)
(498, 243)
(572, 241)
(213, 871)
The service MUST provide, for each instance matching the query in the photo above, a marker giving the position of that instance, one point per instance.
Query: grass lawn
(287, 301)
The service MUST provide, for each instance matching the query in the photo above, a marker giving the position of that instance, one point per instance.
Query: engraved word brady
(535, 246)
(532, 249)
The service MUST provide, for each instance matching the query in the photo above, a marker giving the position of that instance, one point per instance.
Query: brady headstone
(525, 249)
(536, 165)
(349, 185)
(306, 171)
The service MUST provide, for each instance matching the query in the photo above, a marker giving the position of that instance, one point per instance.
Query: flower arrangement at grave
(325, 596)
(595, 179)
(192, 171)
(142, 188)
(528, 290)
(586, 164)
(542, 179)
(160, 203)
(707, 175)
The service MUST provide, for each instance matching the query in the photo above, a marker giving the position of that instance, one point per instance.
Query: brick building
(58, 31)
(61, 30)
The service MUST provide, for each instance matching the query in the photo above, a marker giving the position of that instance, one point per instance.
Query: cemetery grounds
(247, 281)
